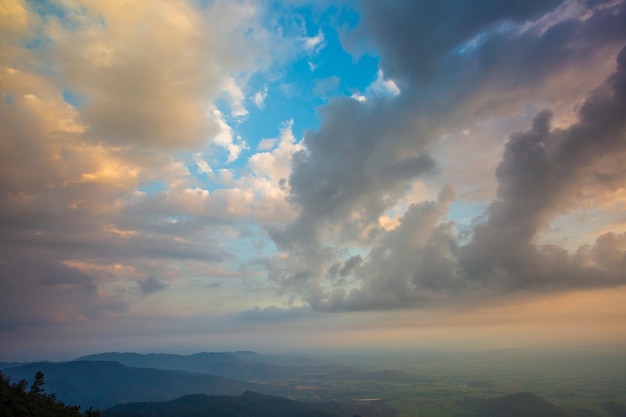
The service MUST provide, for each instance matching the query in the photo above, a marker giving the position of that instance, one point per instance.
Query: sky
(207, 175)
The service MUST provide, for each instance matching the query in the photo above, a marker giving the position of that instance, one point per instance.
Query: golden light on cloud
(14, 16)
(111, 173)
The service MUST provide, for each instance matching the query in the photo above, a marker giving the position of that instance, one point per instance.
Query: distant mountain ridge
(6, 365)
(244, 365)
(249, 404)
(103, 384)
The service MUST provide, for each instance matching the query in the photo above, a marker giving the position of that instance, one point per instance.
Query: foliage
(38, 383)
(15, 401)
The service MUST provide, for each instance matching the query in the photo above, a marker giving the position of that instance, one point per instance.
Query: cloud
(360, 164)
(422, 261)
(539, 177)
(81, 225)
(314, 44)
(137, 67)
(57, 293)
(235, 97)
(348, 161)
(407, 266)
(545, 172)
(202, 165)
(382, 86)
(274, 314)
(266, 144)
(359, 97)
(363, 171)
(275, 165)
(326, 86)
(259, 97)
(413, 37)
(151, 285)
(225, 137)
(121, 171)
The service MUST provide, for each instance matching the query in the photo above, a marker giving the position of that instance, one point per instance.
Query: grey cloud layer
(358, 158)
(414, 37)
(543, 172)
(365, 155)
(542, 169)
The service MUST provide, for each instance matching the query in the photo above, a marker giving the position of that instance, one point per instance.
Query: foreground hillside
(249, 404)
(18, 401)
(104, 384)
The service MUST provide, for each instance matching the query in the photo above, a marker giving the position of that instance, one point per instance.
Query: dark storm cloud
(543, 171)
(521, 65)
(458, 67)
(489, 61)
(413, 37)
(359, 157)
(421, 262)
(364, 154)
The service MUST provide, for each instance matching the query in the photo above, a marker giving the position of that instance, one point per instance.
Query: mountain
(249, 404)
(521, 404)
(245, 365)
(6, 365)
(284, 360)
(103, 384)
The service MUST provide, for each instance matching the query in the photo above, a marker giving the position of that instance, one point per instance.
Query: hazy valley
(480, 384)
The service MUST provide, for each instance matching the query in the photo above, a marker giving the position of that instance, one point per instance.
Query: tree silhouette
(90, 412)
(15, 401)
(38, 383)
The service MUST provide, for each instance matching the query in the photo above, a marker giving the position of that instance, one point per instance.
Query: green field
(448, 386)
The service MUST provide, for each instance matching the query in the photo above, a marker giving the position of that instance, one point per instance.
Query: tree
(15, 401)
(21, 386)
(90, 412)
(38, 383)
